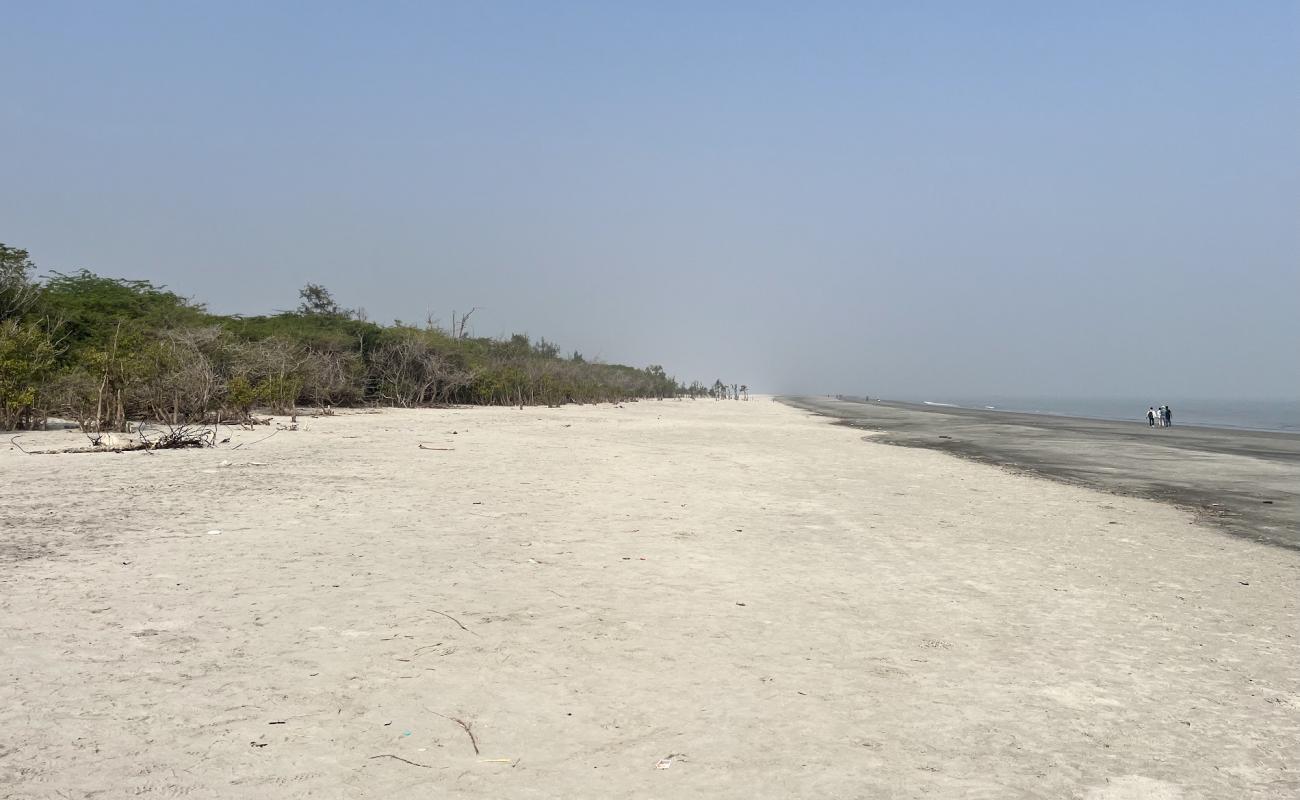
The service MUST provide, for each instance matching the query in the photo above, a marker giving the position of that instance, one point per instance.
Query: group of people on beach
(1160, 417)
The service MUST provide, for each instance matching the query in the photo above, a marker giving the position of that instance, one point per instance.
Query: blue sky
(906, 199)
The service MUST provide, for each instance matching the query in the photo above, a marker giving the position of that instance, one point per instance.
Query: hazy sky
(906, 199)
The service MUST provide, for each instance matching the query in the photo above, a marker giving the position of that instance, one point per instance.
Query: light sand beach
(663, 599)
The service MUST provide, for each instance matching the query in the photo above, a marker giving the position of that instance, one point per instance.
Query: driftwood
(468, 727)
(468, 730)
(174, 437)
(178, 437)
(246, 423)
(403, 760)
(453, 619)
(255, 441)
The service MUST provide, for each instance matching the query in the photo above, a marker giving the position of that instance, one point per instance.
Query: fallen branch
(403, 760)
(177, 437)
(255, 441)
(248, 422)
(453, 619)
(472, 738)
(465, 726)
(422, 447)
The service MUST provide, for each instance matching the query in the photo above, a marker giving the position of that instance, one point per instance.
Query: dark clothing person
(1169, 416)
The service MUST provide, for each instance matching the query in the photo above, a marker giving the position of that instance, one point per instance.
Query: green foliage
(317, 301)
(280, 392)
(91, 308)
(17, 291)
(133, 350)
(546, 349)
(26, 358)
(320, 331)
(240, 395)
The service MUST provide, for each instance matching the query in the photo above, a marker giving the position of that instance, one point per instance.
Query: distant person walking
(1151, 416)
(1169, 417)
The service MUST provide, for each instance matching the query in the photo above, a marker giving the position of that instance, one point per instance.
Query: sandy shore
(762, 600)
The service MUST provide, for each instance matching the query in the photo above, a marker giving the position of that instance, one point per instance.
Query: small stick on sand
(422, 447)
(465, 726)
(399, 758)
(472, 739)
(453, 619)
(263, 439)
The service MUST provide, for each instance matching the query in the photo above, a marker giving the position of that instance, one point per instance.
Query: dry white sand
(782, 608)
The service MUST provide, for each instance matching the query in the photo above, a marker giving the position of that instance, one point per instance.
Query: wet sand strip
(1245, 482)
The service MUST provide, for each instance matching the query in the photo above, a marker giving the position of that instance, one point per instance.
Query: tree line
(106, 351)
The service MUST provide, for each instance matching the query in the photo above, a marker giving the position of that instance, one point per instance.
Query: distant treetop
(317, 301)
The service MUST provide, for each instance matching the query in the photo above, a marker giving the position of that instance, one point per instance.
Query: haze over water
(1268, 415)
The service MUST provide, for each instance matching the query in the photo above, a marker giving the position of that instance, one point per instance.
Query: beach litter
(214, 532)
(667, 761)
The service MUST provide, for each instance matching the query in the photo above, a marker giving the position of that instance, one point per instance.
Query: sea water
(1267, 415)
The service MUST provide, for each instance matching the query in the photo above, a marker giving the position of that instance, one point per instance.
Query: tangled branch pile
(177, 437)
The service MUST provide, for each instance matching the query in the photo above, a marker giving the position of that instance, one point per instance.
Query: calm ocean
(1268, 415)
